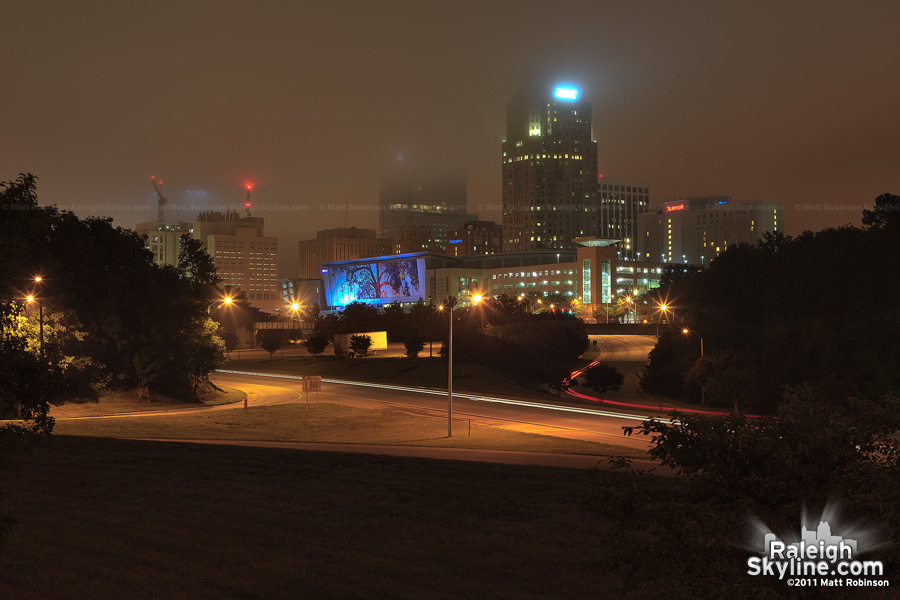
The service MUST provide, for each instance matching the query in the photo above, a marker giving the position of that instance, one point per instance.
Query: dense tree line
(501, 333)
(821, 306)
(111, 317)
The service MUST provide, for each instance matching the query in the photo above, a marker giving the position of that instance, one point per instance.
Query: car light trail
(475, 397)
(697, 411)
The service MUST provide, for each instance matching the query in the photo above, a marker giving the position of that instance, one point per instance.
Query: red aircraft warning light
(247, 203)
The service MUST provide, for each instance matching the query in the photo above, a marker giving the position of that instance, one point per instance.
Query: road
(562, 418)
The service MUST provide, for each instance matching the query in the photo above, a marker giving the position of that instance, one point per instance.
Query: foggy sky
(795, 101)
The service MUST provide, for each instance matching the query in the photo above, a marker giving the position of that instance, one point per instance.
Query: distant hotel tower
(419, 207)
(549, 170)
(696, 230)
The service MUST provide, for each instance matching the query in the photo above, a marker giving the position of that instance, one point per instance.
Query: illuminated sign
(454, 241)
(375, 282)
(674, 207)
(566, 93)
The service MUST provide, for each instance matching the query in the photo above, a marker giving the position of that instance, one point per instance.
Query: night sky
(796, 101)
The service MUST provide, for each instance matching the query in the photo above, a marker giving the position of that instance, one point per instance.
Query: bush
(316, 344)
(414, 346)
(360, 344)
(603, 378)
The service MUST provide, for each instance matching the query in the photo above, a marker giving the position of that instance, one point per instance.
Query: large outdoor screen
(377, 282)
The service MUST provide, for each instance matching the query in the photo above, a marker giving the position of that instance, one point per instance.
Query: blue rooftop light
(566, 92)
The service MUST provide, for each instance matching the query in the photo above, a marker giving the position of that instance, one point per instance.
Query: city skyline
(310, 103)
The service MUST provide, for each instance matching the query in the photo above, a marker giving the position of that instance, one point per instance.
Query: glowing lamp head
(476, 298)
(663, 306)
(226, 300)
(295, 306)
(38, 279)
(685, 331)
(249, 186)
(30, 298)
(440, 307)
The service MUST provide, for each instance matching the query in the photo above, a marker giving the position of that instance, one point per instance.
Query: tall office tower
(417, 198)
(343, 243)
(620, 202)
(696, 230)
(549, 170)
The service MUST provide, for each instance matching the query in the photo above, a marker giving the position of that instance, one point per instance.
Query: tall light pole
(41, 317)
(702, 387)
(476, 299)
(37, 280)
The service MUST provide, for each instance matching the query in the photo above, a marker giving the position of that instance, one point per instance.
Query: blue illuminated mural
(385, 281)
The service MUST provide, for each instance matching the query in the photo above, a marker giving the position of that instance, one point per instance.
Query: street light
(226, 301)
(702, 387)
(476, 299)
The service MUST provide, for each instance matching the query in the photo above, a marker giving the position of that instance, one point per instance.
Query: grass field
(101, 518)
(331, 423)
(111, 402)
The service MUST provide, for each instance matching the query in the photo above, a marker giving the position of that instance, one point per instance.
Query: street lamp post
(476, 298)
(37, 280)
(702, 387)
(41, 318)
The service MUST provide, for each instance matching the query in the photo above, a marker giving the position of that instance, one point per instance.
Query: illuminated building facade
(549, 170)
(474, 238)
(343, 243)
(593, 274)
(419, 201)
(245, 258)
(620, 202)
(696, 230)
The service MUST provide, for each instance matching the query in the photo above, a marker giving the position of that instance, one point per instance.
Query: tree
(414, 346)
(271, 340)
(885, 214)
(557, 378)
(726, 377)
(112, 316)
(822, 445)
(360, 344)
(203, 353)
(603, 378)
(195, 263)
(316, 344)
(358, 316)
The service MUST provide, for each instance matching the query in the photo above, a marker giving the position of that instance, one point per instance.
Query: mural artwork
(386, 281)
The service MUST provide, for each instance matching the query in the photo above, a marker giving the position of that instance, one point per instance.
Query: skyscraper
(549, 170)
(422, 203)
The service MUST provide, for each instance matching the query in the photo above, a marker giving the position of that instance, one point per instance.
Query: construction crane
(161, 199)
